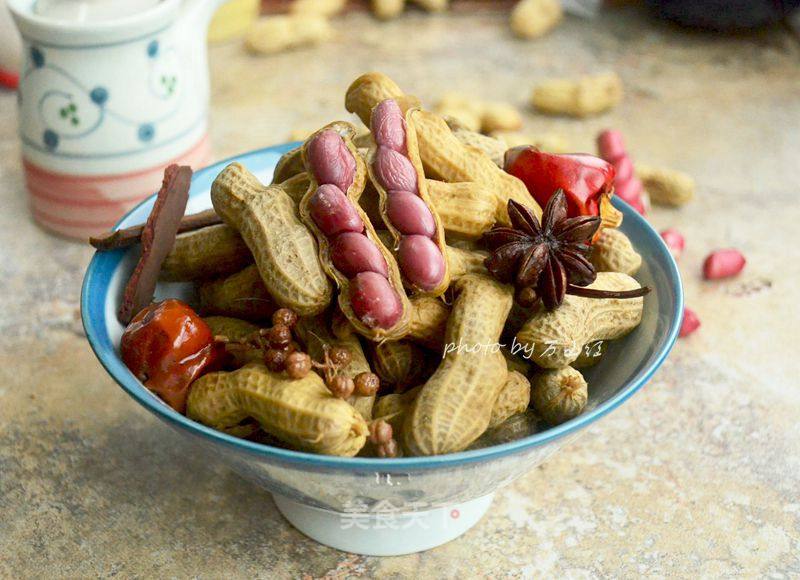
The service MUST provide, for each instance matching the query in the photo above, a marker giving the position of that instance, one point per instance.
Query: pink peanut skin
(374, 301)
(611, 145)
(409, 214)
(674, 240)
(723, 264)
(333, 212)
(331, 160)
(631, 192)
(395, 171)
(421, 261)
(352, 253)
(689, 324)
(389, 126)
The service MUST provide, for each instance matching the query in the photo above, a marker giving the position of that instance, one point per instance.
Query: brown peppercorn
(291, 347)
(367, 384)
(380, 432)
(340, 356)
(284, 317)
(388, 450)
(275, 360)
(279, 336)
(298, 365)
(341, 386)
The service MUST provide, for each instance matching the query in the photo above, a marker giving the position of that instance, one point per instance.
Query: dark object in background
(724, 15)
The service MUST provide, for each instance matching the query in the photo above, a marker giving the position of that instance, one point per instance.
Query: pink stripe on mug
(79, 206)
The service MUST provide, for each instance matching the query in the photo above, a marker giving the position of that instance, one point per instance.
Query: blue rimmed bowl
(370, 505)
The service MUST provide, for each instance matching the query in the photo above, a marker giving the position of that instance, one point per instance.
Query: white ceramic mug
(111, 91)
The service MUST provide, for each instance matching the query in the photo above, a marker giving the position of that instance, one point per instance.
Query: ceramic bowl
(370, 505)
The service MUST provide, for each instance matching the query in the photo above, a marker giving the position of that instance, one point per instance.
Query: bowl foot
(386, 533)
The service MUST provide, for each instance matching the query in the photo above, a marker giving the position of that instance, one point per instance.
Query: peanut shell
(400, 328)
(284, 250)
(302, 412)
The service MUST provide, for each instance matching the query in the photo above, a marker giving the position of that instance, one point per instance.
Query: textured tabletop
(698, 474)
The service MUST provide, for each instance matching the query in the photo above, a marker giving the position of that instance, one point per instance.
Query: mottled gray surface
(697, 475)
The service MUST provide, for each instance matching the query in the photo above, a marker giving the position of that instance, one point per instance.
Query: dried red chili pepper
(167, 346)
(585, 179)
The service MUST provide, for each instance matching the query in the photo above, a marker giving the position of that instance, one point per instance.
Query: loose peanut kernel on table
(674, 241)
(689, 323)
(723, 264)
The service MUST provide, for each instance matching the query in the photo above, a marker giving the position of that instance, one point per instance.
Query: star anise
(548, 260)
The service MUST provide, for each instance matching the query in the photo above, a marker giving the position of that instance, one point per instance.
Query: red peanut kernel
(333, 212)
(394, 170)
(674, 240)
(723, 264)
(388, 126)
(421, 261)
(352, 253)
(331, 160)
(631, 192)
(611, 145)
(374, 301)
(409, 214)
(689, 324)
(627, 186)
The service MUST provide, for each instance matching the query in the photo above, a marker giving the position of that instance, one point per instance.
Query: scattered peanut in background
(548, 141)
(283, 32)
(325, 8)
(582, 97)
(535, 18)
(479, 116)
(667, 187)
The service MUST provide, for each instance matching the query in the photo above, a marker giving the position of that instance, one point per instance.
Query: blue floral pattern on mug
(68, 109)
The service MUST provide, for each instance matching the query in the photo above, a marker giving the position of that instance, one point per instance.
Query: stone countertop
(699, 474)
